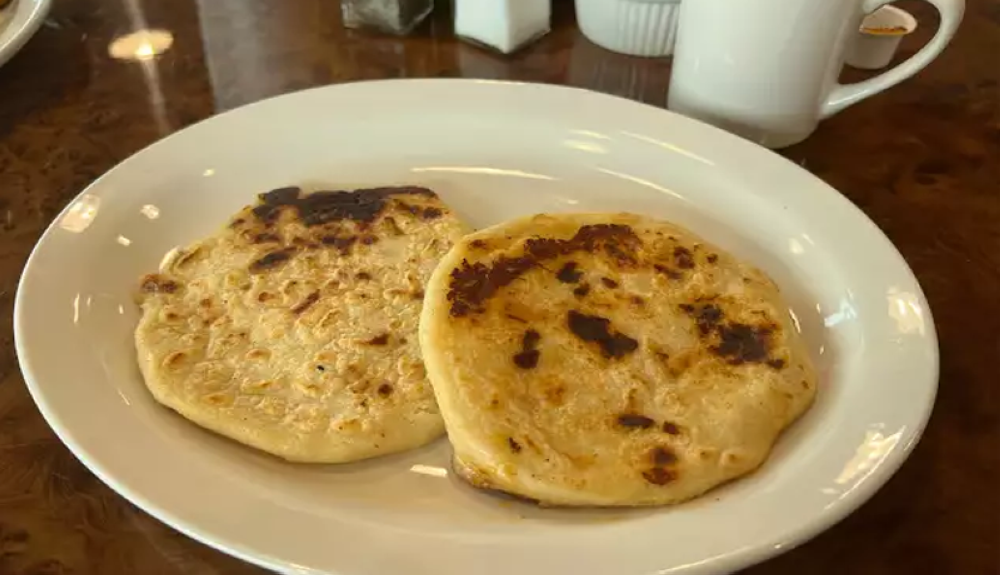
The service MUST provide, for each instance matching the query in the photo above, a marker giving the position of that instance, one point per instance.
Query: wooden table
(923, 160)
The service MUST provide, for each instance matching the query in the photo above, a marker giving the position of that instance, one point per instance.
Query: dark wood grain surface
(923, 160)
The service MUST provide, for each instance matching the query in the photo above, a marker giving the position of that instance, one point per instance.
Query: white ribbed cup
(636, 27)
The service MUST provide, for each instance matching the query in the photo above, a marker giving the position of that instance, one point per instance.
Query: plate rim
(13, 40)
(734, 559)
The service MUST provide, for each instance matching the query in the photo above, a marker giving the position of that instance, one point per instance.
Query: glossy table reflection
(923, 160)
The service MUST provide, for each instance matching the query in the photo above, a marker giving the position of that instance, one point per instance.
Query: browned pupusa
(608, 359)
(294, 328)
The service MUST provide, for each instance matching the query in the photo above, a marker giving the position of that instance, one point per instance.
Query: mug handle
(843, 95)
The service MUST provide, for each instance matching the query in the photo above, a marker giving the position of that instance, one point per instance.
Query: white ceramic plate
(494, 151)
(18, 23)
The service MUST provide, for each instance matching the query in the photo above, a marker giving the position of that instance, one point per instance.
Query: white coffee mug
(767, 69)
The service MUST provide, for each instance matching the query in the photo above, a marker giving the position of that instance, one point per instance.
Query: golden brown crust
(608, 359)
(294, 329)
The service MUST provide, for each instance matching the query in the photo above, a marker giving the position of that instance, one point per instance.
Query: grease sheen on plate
(498, 151)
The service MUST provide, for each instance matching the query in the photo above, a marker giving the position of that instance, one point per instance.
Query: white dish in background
(493, 150)
(18, 23)
(634, 27)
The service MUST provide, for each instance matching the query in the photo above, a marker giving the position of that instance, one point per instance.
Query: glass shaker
(391, 16)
